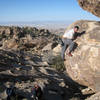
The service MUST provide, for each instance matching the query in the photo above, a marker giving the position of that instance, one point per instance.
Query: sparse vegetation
(58, 63)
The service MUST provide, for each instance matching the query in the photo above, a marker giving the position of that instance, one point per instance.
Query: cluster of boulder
(26, 56)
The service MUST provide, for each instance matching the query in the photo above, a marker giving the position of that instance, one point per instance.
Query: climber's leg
(71, 47)
(64, 47)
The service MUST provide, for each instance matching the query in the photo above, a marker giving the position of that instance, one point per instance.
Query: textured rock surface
(84, 66)
(92, 6)
(94, 97)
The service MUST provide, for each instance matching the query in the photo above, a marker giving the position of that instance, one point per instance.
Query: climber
(37, 92)
(67, 39)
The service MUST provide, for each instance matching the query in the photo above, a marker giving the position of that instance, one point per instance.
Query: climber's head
(76, 28)
(36, 86)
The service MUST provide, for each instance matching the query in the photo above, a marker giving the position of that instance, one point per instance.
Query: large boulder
(84, 66)
(92, 6)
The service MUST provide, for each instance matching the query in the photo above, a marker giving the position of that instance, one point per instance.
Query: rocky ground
(30, 56)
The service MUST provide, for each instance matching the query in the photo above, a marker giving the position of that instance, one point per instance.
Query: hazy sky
(42, 10)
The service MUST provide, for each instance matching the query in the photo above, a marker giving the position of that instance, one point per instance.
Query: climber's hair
(76, 27)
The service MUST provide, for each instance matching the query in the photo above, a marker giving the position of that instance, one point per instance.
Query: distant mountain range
(52, 25)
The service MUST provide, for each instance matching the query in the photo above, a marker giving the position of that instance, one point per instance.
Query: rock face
(92, 6)
(84, 66)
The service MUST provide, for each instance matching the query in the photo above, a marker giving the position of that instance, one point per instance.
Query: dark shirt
(39, 92)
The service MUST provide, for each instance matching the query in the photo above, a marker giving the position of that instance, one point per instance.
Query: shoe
(69, 54)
